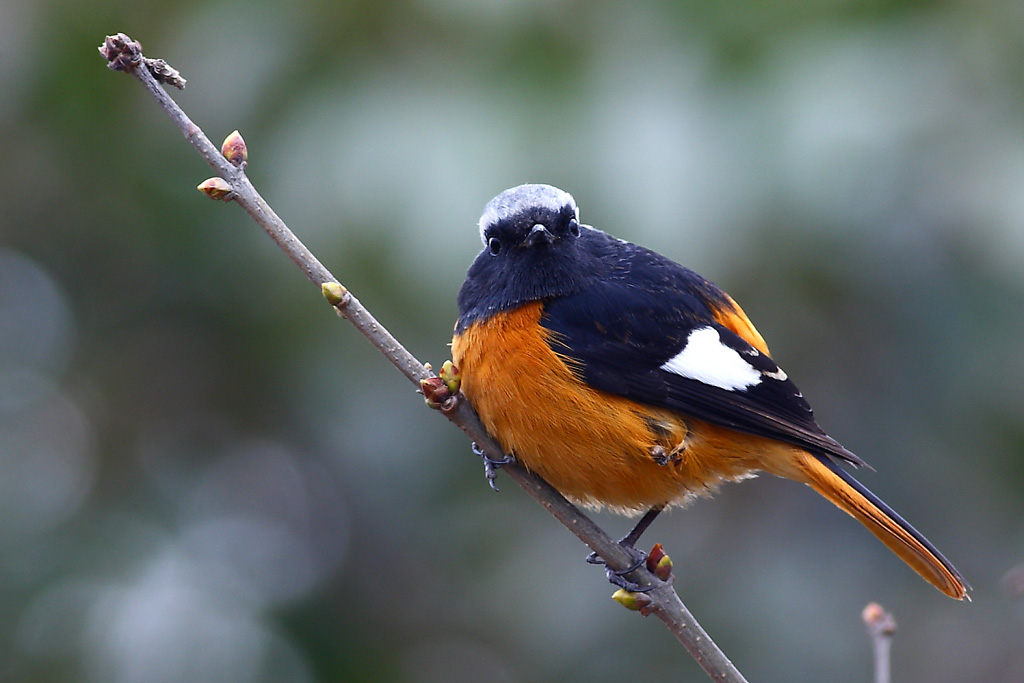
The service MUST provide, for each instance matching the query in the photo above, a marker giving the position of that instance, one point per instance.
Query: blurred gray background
(205, 476)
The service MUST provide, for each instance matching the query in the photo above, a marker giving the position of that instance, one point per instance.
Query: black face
(534, 249)
(532, 227)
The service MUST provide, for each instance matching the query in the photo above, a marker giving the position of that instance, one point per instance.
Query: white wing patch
(706, 359)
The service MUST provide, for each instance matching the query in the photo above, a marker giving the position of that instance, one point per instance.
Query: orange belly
(596, 448)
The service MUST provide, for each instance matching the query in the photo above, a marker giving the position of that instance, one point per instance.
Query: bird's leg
(491, 466)
(630, 539)
(628, 543)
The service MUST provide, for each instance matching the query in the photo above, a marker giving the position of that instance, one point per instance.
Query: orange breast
(594, 447)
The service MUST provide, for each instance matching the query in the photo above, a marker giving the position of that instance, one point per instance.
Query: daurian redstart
(629, 381)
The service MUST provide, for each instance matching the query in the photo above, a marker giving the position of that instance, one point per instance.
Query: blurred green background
(205, 476)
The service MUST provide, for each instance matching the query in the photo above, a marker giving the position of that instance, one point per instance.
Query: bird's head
(526, 217)
(534, 248)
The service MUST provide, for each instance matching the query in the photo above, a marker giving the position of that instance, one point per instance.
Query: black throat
(542, 272)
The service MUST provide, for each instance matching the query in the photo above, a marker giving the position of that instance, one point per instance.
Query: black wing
(628, 333)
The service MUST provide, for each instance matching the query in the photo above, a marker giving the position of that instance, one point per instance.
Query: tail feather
(833, 482)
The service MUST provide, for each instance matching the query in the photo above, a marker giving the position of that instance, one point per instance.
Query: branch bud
(435, 392)
(335, 293)
(636, 602)
(659, 563)
(165, 73)
(234, 150)
(879, 622)
(216, 188)
(451, 376)
(121, 52)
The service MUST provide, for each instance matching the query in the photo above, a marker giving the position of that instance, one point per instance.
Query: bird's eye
(494, 246)
(574, 227)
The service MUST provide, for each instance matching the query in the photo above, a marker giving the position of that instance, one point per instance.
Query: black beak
(539, 234)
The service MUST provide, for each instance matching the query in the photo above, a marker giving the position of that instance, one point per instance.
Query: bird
(631, 383)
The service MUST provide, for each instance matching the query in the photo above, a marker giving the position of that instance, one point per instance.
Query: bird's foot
(617, 577)
(491, 466)
(638, 557)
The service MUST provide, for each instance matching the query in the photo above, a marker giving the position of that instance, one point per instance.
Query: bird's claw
(491, 466)
(617, 577)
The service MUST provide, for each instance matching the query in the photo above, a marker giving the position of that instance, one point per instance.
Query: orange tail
(850, 495)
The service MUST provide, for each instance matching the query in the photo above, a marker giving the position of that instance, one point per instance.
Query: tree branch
(124, 54)
(881, 626)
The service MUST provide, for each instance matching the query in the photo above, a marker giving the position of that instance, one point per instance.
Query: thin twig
(881, 626)
(124, 54)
